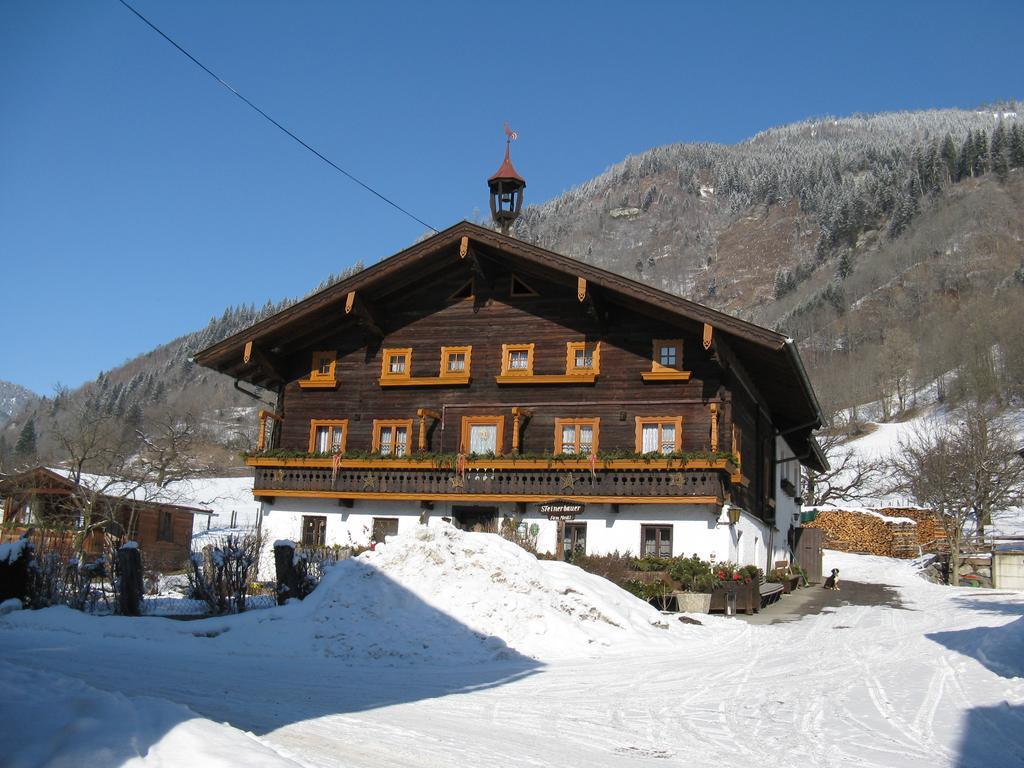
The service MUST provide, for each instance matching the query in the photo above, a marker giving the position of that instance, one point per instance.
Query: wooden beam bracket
(266, 361)
(356, 306)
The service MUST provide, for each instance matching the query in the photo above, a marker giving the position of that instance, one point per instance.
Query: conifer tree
(949, 158)
(980, 153)
(1016, 146)
(966, 158)
(998, 160)
(25, 448)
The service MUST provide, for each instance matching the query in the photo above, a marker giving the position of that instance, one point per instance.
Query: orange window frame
(314, 424)
(506, 352)
(320, 357)
(594, 424)
(388, 355)
(572, 347)
(446, 353)
(395, 424)
(642, 421)
(470, 421)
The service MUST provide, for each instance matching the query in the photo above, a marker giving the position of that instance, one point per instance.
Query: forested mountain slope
(890, 246)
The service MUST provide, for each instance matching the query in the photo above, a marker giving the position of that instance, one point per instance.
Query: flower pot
(693, 602)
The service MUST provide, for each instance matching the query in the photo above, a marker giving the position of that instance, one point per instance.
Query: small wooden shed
(58, 511)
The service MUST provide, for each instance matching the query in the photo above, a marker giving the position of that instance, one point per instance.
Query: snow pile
(60, 721)
(443, 595)
(541, 608)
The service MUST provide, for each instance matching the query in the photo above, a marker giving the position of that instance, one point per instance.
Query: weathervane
(506, 188)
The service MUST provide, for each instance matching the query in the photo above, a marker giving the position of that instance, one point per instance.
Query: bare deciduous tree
(849, 478)
(964, 471)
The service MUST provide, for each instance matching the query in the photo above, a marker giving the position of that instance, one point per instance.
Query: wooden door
(809, 545)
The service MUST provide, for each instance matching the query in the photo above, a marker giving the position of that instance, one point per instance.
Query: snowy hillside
(882, 439)
(12, 398)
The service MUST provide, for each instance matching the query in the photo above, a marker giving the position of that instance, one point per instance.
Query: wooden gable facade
(576, 383)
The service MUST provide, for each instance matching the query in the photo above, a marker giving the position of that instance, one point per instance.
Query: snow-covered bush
(221, 574)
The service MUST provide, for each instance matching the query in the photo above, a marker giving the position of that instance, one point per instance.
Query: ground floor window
(382, 528)
(656, 540)
(314, 531)
(574, 540)
(166, 531)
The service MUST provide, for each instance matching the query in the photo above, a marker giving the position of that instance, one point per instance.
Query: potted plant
(736, 586)
(696, 582)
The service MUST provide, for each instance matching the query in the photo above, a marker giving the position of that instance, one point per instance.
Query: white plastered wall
(696, 529)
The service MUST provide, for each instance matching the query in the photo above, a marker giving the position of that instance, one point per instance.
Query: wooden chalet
(478, 378)
(56, 510)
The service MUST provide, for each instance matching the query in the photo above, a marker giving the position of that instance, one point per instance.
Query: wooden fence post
(287, 575)
(129, 570)
(14, 570)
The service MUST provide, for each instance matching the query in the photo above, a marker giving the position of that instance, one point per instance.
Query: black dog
(832, 582)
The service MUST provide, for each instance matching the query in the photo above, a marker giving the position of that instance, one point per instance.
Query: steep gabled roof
(781, 378)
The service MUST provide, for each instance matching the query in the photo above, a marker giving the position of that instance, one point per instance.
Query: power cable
(274, 122)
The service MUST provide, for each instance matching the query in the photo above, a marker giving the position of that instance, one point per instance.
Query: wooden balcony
(532, 481)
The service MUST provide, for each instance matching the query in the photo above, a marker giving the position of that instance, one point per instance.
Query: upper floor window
(391, 438)
(582, 357)
(517, 359)
(668, 355)
(576, 435)
(658, 434)
(322, 370)
(455, 361)
(397, 364)
(483, 434)
(327, 435)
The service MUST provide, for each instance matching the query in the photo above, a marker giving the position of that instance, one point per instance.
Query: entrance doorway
(478, 519)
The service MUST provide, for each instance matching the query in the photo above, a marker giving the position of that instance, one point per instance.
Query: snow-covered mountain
(12, 398)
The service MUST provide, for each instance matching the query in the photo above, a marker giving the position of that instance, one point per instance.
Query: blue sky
(138, 198)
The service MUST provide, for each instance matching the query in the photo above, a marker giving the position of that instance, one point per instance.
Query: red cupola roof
(507, 171)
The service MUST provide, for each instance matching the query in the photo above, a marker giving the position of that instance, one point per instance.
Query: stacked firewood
(929, 533)
(850, 531)
(855, 531)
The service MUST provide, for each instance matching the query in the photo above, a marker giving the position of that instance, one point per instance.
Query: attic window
(518, 288)
(666, 361)
(465, 292)
(322, 370)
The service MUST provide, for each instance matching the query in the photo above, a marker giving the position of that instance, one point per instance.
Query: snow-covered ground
(446, 648)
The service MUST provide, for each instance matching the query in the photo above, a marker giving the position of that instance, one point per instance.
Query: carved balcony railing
(530, 481)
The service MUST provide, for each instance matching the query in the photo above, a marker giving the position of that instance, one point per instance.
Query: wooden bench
(770, 593)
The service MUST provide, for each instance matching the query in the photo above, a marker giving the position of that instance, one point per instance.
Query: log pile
(850, 530)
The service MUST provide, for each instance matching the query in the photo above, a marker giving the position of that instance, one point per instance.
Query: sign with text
(560, 509)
